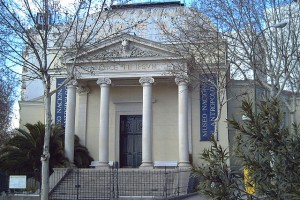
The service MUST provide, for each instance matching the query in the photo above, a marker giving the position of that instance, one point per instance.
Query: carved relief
(182, 79)
(137, 52)
(123, 50)
(125, 45)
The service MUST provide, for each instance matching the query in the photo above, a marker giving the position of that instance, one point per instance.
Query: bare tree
(8, 95)
(8, 88)
(263, 43)
(197, 39)
(42, 38)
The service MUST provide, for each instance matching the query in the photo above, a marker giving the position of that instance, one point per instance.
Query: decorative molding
(101, 81)
(72, 83)
(146, 79)
(137, 52)
(182, 79)
(123, 50)
(125, 45)
(82, 90)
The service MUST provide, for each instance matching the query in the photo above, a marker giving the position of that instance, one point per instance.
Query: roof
(150, 3)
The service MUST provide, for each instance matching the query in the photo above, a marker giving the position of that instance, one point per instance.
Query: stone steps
(107, 184)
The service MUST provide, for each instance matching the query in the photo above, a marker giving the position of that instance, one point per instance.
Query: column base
(146, 165)
(101, 165)
(184, 165)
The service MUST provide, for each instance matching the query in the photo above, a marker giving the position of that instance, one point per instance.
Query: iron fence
(89, 184)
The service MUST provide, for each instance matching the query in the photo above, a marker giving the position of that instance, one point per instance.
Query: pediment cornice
(126, 47)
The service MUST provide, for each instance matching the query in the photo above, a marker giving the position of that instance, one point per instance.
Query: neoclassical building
(131, 101)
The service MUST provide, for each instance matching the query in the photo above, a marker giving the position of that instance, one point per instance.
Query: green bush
(269, 150)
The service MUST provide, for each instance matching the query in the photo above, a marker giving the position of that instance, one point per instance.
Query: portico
(139, 67)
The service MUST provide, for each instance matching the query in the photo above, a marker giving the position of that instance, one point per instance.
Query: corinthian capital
(101, 81)
(72, 83)
(182, 79)
(146, 79)
(83, 90)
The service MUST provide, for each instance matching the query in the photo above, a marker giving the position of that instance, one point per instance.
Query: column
(104, 121)
(70, 120)
(147, 161)
(82, 91)
(182, 82)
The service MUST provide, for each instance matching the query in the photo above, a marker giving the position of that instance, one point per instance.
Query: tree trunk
(46, 154)
(293, 118)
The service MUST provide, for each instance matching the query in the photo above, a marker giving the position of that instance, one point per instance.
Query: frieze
(125, 50)
(125, 67)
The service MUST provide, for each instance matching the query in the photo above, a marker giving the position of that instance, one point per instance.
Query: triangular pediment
(127, 47)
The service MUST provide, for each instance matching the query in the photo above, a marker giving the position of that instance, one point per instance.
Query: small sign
(17, 182)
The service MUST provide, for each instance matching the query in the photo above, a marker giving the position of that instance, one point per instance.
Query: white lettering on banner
(60, 102)
(208, 107)
(212, 102)
(204, 119)
(66, 96)
(204, 124)
(204, 99)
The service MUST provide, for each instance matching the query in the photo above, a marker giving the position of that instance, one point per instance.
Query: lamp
(277, 25)
(280, 24)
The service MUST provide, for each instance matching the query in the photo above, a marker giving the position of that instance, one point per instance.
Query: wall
(197, 145)
(127, 100)
(31, 112)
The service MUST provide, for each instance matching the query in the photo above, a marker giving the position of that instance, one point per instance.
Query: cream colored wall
(127, 100)
(197, 145)
(165, 122)
(31, 112)
(92, 138)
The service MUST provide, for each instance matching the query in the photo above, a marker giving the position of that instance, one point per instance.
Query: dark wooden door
(130, 140)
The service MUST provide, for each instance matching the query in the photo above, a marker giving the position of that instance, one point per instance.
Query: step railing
(69, 184)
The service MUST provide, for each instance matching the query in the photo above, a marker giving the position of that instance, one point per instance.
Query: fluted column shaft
(147, 160)
(104, 84)
(70, 120)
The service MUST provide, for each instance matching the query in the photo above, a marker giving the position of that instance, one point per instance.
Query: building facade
(131, 101)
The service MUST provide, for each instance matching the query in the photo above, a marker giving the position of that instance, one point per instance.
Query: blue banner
(208, 106)
(60, 103)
